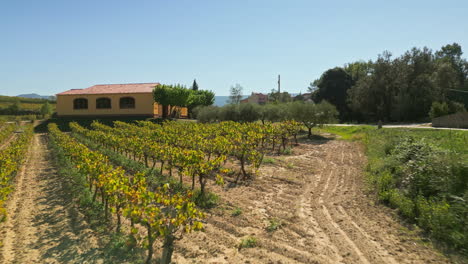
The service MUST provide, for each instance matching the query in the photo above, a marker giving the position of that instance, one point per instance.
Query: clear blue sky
(50, 46)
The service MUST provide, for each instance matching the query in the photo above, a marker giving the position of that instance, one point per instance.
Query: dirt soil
(317, 194)
(42, 224)
(315, 197)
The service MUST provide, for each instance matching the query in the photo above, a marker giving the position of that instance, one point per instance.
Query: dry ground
(316, 193)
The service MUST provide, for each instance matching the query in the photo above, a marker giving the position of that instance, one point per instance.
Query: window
(80, 103)
(103, 103)
(127, 102)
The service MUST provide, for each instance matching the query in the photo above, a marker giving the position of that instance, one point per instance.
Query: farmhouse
(133, 99)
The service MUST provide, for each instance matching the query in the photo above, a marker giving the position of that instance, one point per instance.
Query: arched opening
(80, 103)
(127, 102)
(103, 103)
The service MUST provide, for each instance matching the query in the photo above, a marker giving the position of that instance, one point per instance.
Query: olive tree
(312, 115)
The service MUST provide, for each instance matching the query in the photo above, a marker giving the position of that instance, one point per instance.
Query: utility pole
(279, 88)
(279, 84)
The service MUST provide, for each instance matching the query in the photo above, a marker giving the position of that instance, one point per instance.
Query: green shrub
(207, 114)
(405, 205)
(440, 219)
(249, 112)
(438, 109)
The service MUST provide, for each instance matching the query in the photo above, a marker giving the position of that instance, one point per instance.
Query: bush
(229, 113)
(440, 220)
(438, 109)
(426, 183)
(206, 114)
(422, 168)
(249, 112)
(405, 205)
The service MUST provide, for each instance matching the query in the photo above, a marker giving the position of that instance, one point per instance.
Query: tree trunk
(150, 244)
(168, 248)
(119, 221)
(193, 181)
(244, 173)
(165, 110)
(202, 185)
(162, 166)
(310, 132)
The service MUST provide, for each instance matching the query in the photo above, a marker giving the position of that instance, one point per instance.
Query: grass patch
(269, 160)
(346, 132)
(248, 242)
(236, 212)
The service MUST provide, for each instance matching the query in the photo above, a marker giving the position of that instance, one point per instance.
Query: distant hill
(37, 96)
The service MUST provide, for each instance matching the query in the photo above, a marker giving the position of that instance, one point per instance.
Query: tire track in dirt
(42, 225)
(317, 196)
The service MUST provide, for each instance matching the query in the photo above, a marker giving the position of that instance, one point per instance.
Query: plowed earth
(317, 194)
(314, 197)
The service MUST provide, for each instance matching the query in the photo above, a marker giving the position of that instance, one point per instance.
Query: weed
(236, 212)
(290, 166)
(273, 225)
(268, 160)
(206, 201)
(248, 242)
(287, 151)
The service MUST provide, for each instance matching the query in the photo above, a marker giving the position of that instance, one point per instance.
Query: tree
(171, 97)
(283, 97)
(235, 94)
(312, 115)
(358, 70)
(195, 85)
(199, 98)
(249, 112)
(46, 109)
(206, 114)
(333, 86)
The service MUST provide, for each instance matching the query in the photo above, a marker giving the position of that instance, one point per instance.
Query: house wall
(144, 105)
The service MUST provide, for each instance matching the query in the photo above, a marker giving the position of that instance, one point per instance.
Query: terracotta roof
(114, 89)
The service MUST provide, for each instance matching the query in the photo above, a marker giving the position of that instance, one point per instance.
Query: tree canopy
(396, 88)
(179, 96)
(235, 94)
(195, 85)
